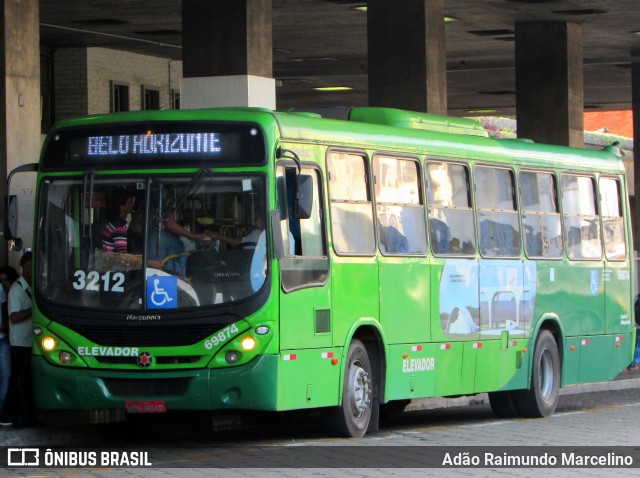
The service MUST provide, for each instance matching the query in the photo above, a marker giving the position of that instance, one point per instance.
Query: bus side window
(540, 215)
(400, 214)
(351, 207)
(580, 217)
(498, 225)
(305, 263)
(451, 229)
(612, 220)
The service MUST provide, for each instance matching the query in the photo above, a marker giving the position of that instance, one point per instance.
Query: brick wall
(136, 70)
(615, 122)
(83, 79)
(70, 78)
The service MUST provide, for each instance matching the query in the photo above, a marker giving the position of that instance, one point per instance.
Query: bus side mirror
(11, 207)
(11, 221)
(304, 197)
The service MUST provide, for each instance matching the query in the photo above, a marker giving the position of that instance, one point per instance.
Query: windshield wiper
(192, 185)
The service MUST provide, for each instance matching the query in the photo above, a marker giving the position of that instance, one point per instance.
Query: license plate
(145, 406)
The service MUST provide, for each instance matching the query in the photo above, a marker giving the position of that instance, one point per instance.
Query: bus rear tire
(352, 417)
(541, 399)
(503, 404)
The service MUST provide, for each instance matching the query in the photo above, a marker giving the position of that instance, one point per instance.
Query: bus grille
(126, 336)
(160, 360)
(148, 387)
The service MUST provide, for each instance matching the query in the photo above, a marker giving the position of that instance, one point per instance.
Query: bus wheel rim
(359, 391)
(546, 375)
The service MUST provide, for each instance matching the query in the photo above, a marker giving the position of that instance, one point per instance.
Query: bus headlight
(248, 343)
(48, 343)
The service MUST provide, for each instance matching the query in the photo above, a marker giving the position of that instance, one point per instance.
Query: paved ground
(607, 418)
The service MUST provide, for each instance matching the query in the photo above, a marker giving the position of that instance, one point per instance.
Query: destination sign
(155, 144)
(170, 143)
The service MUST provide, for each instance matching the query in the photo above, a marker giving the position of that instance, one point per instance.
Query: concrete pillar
(227, 54)
(635, 105)
(407, 57)
(549, 82)
(20, 136)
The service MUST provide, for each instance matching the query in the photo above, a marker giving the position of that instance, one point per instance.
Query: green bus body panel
(449, 379)
(412, 371)
(595, 358)
(308, 379)
(618, 296)
(446, 326)
(299, 313)
(500, 365)
(354, 293)
(405, 309)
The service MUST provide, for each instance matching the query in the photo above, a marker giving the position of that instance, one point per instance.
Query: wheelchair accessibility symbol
(162, 292)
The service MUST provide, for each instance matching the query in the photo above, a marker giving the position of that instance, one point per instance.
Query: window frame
(594, 182)
(116, 88)
(621, 205)
(319, 177)
(558, 199)
(421, 202)
(144, 91)
(370, 199)
(514, 199)
(467, 166)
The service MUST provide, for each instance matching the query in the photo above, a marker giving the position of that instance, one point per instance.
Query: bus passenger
(248, 241)
(393, 241)
(165, 231)
(115, 232)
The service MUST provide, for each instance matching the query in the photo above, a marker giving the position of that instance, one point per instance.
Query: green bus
(246, 259)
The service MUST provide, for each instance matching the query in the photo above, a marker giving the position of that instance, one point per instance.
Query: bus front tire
(352, 417)
(541, 398)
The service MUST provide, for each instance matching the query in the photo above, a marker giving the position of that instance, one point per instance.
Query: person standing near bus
(5, 357)
(21, 337)
(8, 399)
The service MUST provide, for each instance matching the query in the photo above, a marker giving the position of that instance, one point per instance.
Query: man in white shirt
(5, 360)
(21, 337)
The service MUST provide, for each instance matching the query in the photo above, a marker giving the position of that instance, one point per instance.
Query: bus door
(582, 283)
(456, 282)
(504, 325)
(308, 378)
(617, 273)
(404, 277)
(501, 283)
(354, 268)
(455, 310)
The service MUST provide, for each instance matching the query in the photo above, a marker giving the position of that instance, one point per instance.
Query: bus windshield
(149, 242)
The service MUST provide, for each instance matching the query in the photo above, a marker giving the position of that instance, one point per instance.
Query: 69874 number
(96, 282)
(222, 336)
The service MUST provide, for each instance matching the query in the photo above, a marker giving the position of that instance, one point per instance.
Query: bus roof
(437, 136)
(384, 129)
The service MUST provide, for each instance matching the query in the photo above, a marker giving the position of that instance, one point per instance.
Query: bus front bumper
(248, 387)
